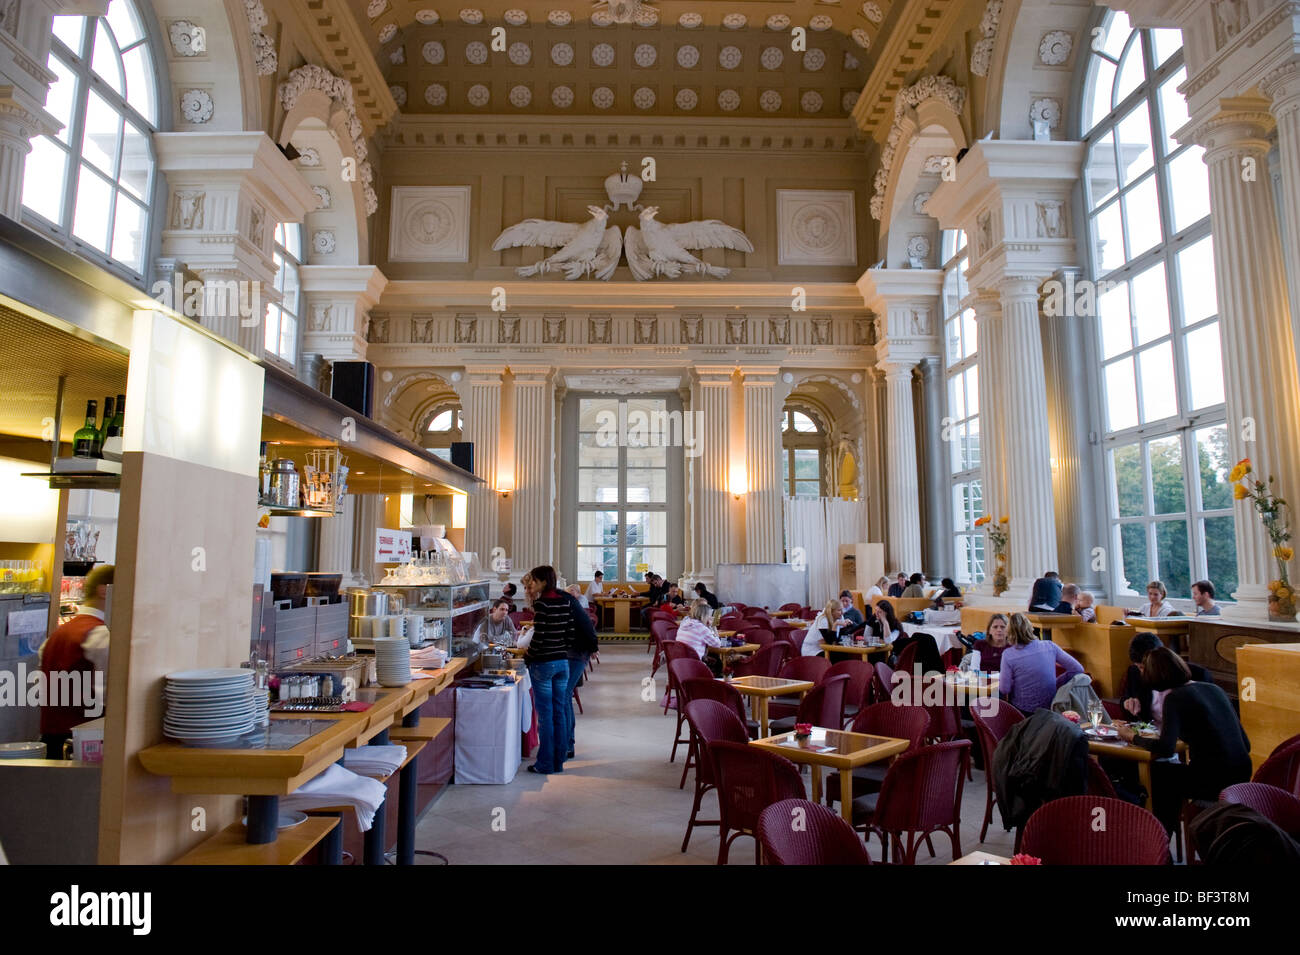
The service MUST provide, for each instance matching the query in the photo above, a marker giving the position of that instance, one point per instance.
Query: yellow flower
(1274, 584)
(1283, 553)
(1244, 463)
(1236, 474)
(1283, 593)
(1240, 491)
(1003, 519)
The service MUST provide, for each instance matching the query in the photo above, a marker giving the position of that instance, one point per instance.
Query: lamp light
(739, 482)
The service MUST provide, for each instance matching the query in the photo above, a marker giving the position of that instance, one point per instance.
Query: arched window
(1151, 251)
(802, 443)
(961, 426)
(92, 183)
(282, 325)
(442, 426)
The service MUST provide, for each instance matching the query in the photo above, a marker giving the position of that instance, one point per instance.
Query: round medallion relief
(816, 228)
(429, 222)
(561, 54)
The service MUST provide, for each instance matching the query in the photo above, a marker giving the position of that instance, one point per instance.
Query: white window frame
(968, 544)
(287, 261)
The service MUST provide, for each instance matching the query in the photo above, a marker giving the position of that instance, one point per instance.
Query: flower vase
(1000, 576)
(1281, 597)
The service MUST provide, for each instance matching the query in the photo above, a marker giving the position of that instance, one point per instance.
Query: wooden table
(862, 650)
(1172, 631)
(762, 688)
(1134, 753)
(621, 607)
(839, 750)
(980, 857)
(726, 653)
(961, 692)
(781, 614)
(1047, 622)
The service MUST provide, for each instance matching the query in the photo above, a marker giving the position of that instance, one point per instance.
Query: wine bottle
(104, 425)
(85, 441)
(115, 427)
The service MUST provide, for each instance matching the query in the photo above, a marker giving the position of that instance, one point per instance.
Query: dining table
(836, 749)
(620, 609)
(725, 653)
(861, 650)
(760, 689)
(1118, 749)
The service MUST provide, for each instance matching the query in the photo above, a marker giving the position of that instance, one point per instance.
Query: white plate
(222, 724)
(286, 820)
(211, 675)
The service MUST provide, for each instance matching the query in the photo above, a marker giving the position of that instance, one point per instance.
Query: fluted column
(366, 516)
(937, 471)
(532, 542)
(712, 469)
(481, 399)
(903, 487)
(1027, 467)
(1283, 85)
(334, 545)
(763, 516)
(1261, 390)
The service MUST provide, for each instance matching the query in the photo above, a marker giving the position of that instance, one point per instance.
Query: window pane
(1167, 487)
(590, 410)
(598, 528)
(1108, 239)
(104, 61)
(1133, 134)
(137, 163)
(1097, 104)
(94, 199)
(1142, 217)
(952, 340)
(969, 332)
(1133, 553)
(1151, 305)
(1172, 558)
(972, 376)
(271, 334)
(43, 179)
(1166, 43)
(973, 443)
(1118, 31)
(1129, 493)
(289, 338)
(807, 463)
(646, 486)
(597, 486)
(592, 451)
(1121, 395)
(71, 30)
(652, 457)
(290, 300)
(1221, 555)
(441, 421)
(804, 423)
(1173, 108)
(1156, 373)
(1212, 451)
(654, 558)
(99, 143)
(1197, 281)
(592, 559)
(1131, 72)
(62, 93)
(807, 489)
(1116, 323)
(1189, 183)
(1205, 366)
(129, 237)
(646, 529)
(1102, 179)
(121, 17)
(140, 82)
(956, 397)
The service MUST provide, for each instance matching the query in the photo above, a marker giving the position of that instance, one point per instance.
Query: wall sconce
(459, 506)
(738, 483)
(505, 484)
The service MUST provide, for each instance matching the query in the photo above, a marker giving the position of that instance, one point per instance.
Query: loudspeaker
(353, 384)
(462, 455)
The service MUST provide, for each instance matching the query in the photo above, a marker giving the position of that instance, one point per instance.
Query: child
(1083, 607)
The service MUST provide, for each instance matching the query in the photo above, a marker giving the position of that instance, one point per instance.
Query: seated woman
(1027, 676)
(829, 619)
(1201, 715)
(1156, 605)
(878, 589)
(696, 631)
(950, 589)
(990, 647)
(883, 623)
(1140, 700)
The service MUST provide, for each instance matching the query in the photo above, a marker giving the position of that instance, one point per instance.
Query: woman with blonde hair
(877, 589)
(1027, 676)
(696, 631)
(829, 619)
(1156, 605)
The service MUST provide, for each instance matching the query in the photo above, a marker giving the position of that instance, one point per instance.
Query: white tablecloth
(944, 637)
(488, 733)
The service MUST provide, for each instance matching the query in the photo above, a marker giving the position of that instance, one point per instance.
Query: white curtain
(815, 527)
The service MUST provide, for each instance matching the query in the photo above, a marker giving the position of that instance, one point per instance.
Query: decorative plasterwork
(943, 90)
(815, 227)
(429, 224)
(632, 381)
(981, 57)
(263, 46)
(1055, 47)
(339, 90)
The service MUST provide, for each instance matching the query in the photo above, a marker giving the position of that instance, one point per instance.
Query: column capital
(1283, 86)
(484, 374)
(896, 370)
(1023, 286)
(714, 375)
(753, 376)
(532, 375)
(1242, 126)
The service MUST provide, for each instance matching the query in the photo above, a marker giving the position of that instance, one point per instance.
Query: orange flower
(1240, 491)
(1003, 520)
(1283, 553)
(982, 521)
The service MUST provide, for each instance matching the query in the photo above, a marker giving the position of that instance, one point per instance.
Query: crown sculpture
(656, 249)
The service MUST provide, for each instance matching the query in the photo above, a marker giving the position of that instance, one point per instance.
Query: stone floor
(618, 801)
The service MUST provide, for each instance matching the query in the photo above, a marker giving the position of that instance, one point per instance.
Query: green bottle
(105, 425)
(115, 427)
(86, 439)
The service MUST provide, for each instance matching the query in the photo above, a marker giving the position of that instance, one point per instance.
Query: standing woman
(554, 633)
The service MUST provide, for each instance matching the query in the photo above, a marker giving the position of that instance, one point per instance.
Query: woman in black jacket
(1201, 715)
(554, 631)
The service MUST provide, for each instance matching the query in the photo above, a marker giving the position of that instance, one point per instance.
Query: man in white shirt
(597, 585)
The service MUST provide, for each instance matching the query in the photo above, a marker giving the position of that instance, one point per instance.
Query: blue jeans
(577, 666)
(550, 680)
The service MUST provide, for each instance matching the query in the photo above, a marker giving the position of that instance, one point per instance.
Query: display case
(454, 614)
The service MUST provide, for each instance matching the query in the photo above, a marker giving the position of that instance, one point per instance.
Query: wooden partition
(1101, 650)
(1270, 702)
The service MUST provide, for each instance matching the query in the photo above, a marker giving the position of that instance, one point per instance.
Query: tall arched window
(443, 426)
(961, 426)
(802, 443)
(282, 325)
(1157, 318)
(92, 183)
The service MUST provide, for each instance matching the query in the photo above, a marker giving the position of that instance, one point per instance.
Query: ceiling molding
(345, 49)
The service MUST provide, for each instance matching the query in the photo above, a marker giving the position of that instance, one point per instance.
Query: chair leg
(677, 736)
(578, 699)
(955, 833)
(695, 811)
(929, 845)
(690, 761)
(988, 814)
(724, 844)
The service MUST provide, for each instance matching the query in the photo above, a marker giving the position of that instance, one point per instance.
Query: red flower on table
(1021, 858)
(803, 729)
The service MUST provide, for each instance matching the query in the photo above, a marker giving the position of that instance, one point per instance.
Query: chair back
(1276, 805)
(766, 662)
(807, 613)
(749, 779)
(922, 788)
(908, 657)
(952, 656)
(811, 669)
(763, 638)
(1064, 832)
(860, 674)
(882, 684)
(789, 607)
(993, 717)
(682, 669)
(799, 832)
(1282, 768)
(1099, 783)
(707, 688)
(658, 627)
(711, 723)
(899, 722)
(665, 615)
(755, 611)
(738, 605)
(823, 705)
(518, 617)
(678, 651)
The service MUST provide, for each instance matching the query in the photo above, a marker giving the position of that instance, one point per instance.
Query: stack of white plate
(210, 706)
(262, 698)
(393, 661)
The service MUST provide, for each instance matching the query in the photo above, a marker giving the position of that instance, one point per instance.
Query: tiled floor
(618, 802)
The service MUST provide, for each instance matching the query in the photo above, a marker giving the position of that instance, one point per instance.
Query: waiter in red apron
(77, 646)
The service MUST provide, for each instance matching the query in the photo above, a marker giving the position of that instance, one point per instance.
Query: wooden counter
(1213, 643)
(1101, 650)
(1269, 680)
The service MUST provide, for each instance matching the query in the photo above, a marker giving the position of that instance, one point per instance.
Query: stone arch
(932, 108)
(1019, 74)
(840, 410)
(410, 398)
(226, 69)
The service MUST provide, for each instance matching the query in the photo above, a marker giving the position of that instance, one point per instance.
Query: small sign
(392, 546)
(642, 568)
(28, 621)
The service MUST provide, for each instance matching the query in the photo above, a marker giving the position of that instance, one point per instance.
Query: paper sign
(392, 546)
(28, 621)
(642, 568)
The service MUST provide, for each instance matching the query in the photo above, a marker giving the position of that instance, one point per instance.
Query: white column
(532, 541)
(903, 487)
(1283, 85)
(1027, 465)
(334, 546)
(1262, 393)
(763, 516)
(336, 300)
(481, 400)
(712, 467)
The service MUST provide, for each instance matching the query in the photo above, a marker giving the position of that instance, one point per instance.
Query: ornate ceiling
(728, 58)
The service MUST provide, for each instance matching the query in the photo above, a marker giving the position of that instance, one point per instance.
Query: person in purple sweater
(1027, 678)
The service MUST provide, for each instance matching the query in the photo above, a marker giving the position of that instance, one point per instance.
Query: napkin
(374, 760)
(337, 786)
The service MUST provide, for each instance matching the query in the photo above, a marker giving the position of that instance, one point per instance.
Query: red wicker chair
(822, 838)
(882, 685)
(711, 722)
(811, 669)
(679, 669)
(748, 780)
(697, 688)
(881, 719)
(1064, 832)
(823, 706)
(766, 662)
(807, 613)
(993, 717)
(659, 631)
(860, 674)
(921, 795)
(672, 650)
(1099, 783)
(1275, 804)
(763, 638)
(907, 658)
(1282, 768)
(789, 608)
